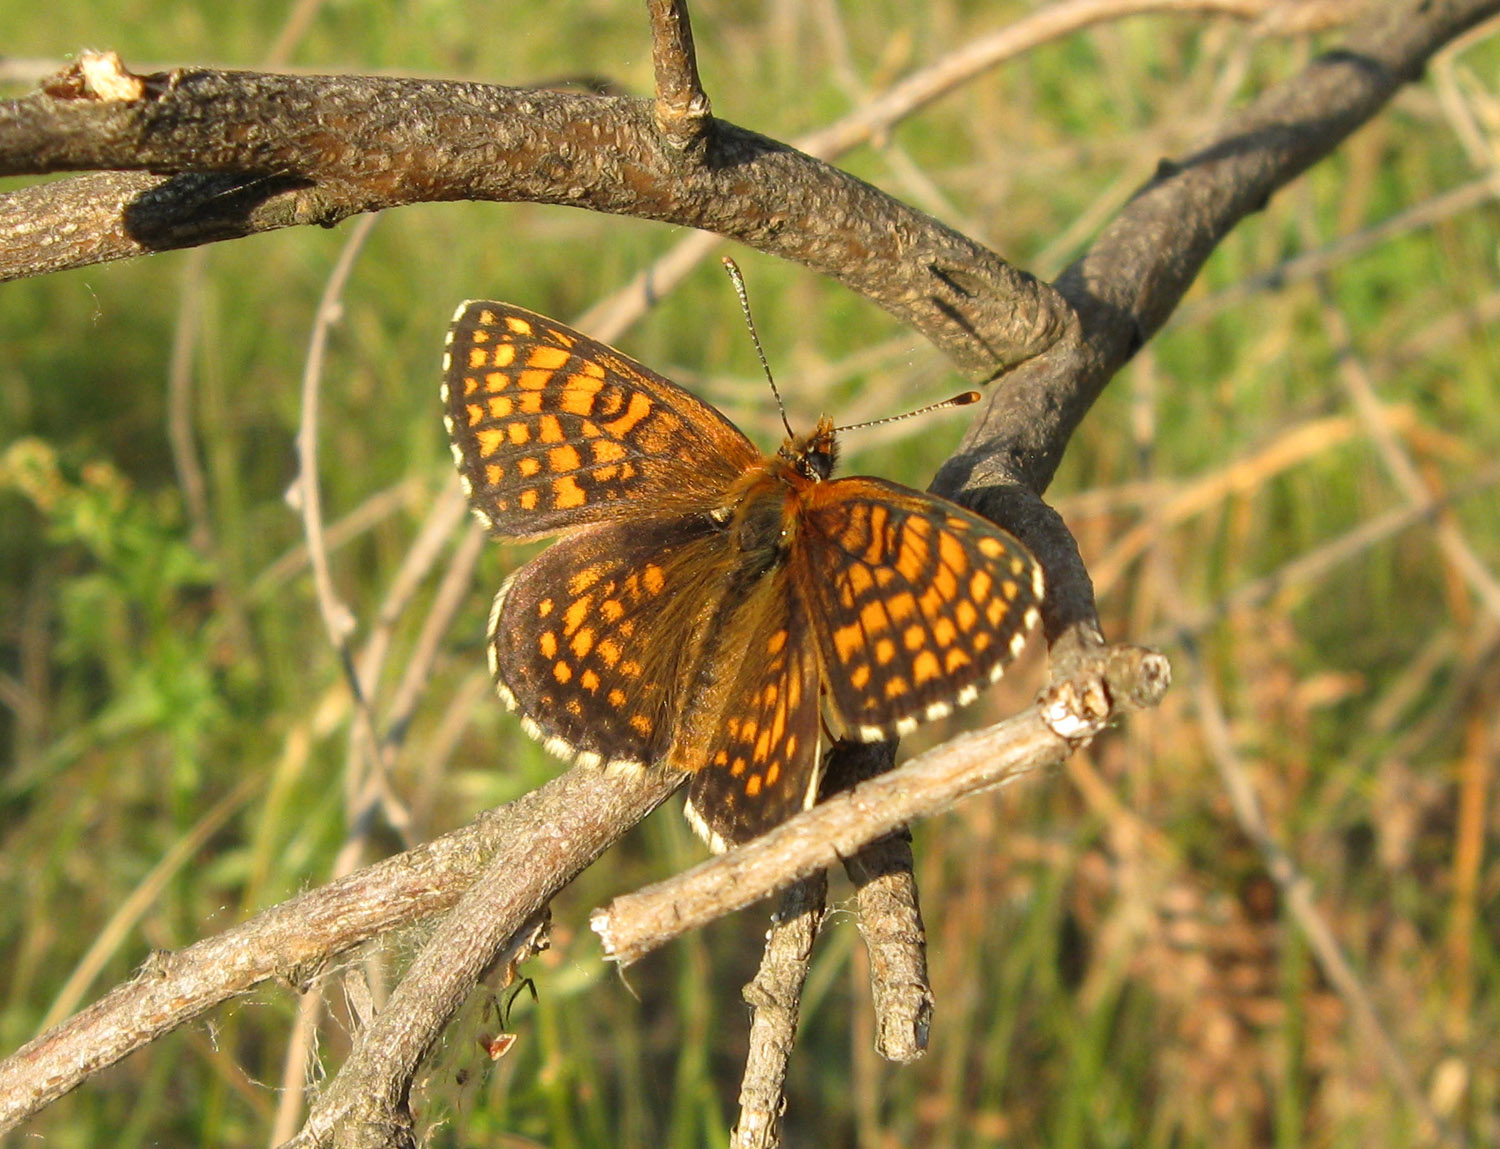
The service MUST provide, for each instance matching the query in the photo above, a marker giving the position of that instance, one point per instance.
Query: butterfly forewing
(552, 429)
(916, 602)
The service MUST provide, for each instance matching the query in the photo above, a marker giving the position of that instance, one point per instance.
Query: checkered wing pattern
(916, 603)
(552, 429)
(593, 640)
(760, 764)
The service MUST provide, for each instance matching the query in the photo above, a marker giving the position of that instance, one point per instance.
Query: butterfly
(710, 608)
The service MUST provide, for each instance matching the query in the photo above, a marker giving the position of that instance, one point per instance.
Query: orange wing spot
(496, 380)
(574, 707)
(547, 358)
(592, 368)
(945, 582)
(489, 441)
(547, 644)
(493, 473)
(738, 768)
(1017, 565)
(770, 694)
(641, 725)
(762, 746)
(956, 660)
(791, 747)
(895, 687)
(514, 322)
(630, 668)
(533, 380)
(733, 726)
(860, 580)
(475, 413)
(583, 642)
(551, 430)
(606, 451)
(981, 642)
(915, 637)
(590, 681)
(654, 579)
(562, 672)
(532, 402)
(616, 698)
(943, 631)
(544, 608)
(577, 401)
(721, 758)
(577, 611)
(773, 772)
(518, 433)
(752, 786)
(926, 667)
(873, 617)
(901, 606)
(501, 407)
(611, 609)
(478, 357)
(778, 642)
(990, 547)
(529, 466)
(885, 650)
(605, 475)
(639, 408)
(585, 579)
(848, 641)
(504, 356)
(952, 552)
(471, 384)
(564, 458)
(748, 730)
(996, 610)
(914, 557)
(884, 576)
(567, 494)
(966, 616)
(1009, 588)
(860, 676)
(529, 499)
(627, 471)
(589, 429)
(981, 585)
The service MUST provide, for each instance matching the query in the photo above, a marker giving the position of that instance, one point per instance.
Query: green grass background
(1112, 965)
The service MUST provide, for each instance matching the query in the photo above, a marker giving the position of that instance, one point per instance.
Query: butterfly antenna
(739, 289)
(962, 399)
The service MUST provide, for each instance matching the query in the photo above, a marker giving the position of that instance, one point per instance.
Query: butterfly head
(814, 455)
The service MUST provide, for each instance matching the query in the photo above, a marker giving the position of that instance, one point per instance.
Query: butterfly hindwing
(917, 603)
(759, 763)
(592, 640)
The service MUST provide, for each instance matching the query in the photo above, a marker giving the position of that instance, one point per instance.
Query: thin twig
(775, 998)
(683, 113)
(1356, 380)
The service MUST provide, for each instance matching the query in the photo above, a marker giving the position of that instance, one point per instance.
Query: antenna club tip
(966, 398)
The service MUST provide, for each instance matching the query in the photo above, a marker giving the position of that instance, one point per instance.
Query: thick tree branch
(248, 150)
